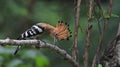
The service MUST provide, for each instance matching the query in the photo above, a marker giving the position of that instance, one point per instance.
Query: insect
(60, 31)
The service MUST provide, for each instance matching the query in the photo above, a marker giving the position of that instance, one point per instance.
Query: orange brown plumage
(61, 31)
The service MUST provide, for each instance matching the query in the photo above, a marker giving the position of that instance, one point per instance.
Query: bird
(60, 32)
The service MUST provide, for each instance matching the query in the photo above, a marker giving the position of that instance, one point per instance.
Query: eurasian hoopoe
(60, 32)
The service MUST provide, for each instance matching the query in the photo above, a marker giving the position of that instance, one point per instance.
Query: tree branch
(76, 27)
(41, 44)
(96, 57)
(89, 29)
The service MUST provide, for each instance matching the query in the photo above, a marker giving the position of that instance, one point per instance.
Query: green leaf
(114, 15)
(97, 12)
(106, 16)
(42, 61)
(99, 65)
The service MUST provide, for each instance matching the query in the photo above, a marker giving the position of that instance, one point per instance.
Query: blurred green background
(18, 15)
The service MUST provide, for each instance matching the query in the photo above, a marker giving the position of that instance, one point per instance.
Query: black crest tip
(67, 38)
(58, 21)
(70, 36)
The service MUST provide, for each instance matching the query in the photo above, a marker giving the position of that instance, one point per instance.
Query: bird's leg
(55, 40)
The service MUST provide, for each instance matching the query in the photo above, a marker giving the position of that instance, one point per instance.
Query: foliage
(99, 65)
(112, 15)
(29, 59)
(15, 18)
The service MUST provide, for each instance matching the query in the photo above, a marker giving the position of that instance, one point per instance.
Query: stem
(89, 29)
(76, 27)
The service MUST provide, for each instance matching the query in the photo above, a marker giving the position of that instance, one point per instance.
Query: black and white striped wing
(34, 30)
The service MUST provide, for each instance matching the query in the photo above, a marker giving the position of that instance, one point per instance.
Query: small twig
(89, 29)
(96, 57)
(76, 27)
(41, 44)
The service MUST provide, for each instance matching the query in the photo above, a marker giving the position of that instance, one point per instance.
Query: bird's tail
(18, 47)
(62, 30)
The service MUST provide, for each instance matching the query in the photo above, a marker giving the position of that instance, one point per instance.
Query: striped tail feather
(17, 49)
(34, 30)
